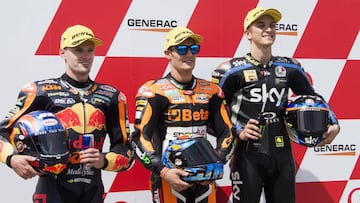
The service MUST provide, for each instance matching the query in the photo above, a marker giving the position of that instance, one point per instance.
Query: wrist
(242, 136)
(106, 162)
(8, 160)
(164, 171)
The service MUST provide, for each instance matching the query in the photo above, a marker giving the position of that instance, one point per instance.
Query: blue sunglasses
(183, 49)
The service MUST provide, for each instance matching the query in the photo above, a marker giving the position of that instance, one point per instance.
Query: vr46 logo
(187, 115)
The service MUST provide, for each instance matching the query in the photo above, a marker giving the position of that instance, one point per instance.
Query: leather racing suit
(166, 110)
(83, 108)
(252, 88)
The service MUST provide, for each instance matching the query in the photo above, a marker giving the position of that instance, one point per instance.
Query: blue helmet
(42, 135)
(195, 156)
(307, 119)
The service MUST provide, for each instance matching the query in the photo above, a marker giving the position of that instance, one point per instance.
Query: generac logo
(336, 150)
(187, 115)
(155, 25)
(286, 29)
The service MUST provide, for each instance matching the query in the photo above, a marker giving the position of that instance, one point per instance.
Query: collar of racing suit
(75, 83)
(183, 86)
(257, 63)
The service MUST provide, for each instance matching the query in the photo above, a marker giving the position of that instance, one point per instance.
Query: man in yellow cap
(89, 111)
(256, 88)
(173, 114)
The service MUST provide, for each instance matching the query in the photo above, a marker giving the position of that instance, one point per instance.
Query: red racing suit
(251, 88)
(166, 110)
(83, 108)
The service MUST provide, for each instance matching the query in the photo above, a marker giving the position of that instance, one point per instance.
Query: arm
(120, 156)
(227, 78)
(19, 163)
(147, 125)
(148, 128)
(221, 124)
(301, 85)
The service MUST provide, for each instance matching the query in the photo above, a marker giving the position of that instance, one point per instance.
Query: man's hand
(250, 131)
(330, 135)
(173, 179)
(20, 164)
(92, 157)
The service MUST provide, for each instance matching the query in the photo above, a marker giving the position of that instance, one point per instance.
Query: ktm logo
(187, 115)
(51, 87)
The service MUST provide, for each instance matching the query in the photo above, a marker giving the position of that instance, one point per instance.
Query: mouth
(188, 61)
(85, 64)
(268, 36)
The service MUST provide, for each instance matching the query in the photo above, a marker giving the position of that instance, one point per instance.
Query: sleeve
(146, 140)
(25, 102)
(6, 149)
(222, 127)
(226, 78)
(300, 84)
(120, 156)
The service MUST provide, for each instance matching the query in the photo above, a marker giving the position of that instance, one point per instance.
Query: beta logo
(187, 115)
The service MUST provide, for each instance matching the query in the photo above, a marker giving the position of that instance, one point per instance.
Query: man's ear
(61, 52)
(167, 54)
(248, 34)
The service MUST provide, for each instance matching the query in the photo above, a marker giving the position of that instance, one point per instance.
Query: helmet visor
(53, 143)
(312, 122)
(198, 153)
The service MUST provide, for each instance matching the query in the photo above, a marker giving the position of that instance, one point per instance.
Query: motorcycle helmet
(40, 134)
(306, 119)
(196, 156)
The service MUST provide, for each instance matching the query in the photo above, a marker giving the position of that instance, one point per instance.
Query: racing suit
(252, 88)
(83, 108)
(167, 109)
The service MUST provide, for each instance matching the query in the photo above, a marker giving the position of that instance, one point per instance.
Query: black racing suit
(83, 108)
(252, 88)
(167, 109)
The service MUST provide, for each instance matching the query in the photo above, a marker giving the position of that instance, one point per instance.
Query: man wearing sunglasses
(177, 107)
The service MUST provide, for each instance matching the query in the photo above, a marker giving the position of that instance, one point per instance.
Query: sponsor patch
(279, 141)
(250, 75)
(280, 71)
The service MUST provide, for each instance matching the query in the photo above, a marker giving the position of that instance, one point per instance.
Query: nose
(86, 55)
(188, 52)
(269, 28)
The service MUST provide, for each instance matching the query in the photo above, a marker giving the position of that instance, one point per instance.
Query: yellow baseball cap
(178, 35)
(256, 13)
(77, 34)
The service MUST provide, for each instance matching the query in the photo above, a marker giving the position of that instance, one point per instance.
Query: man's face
(262, 32)
(79, 59)
(182, 63)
